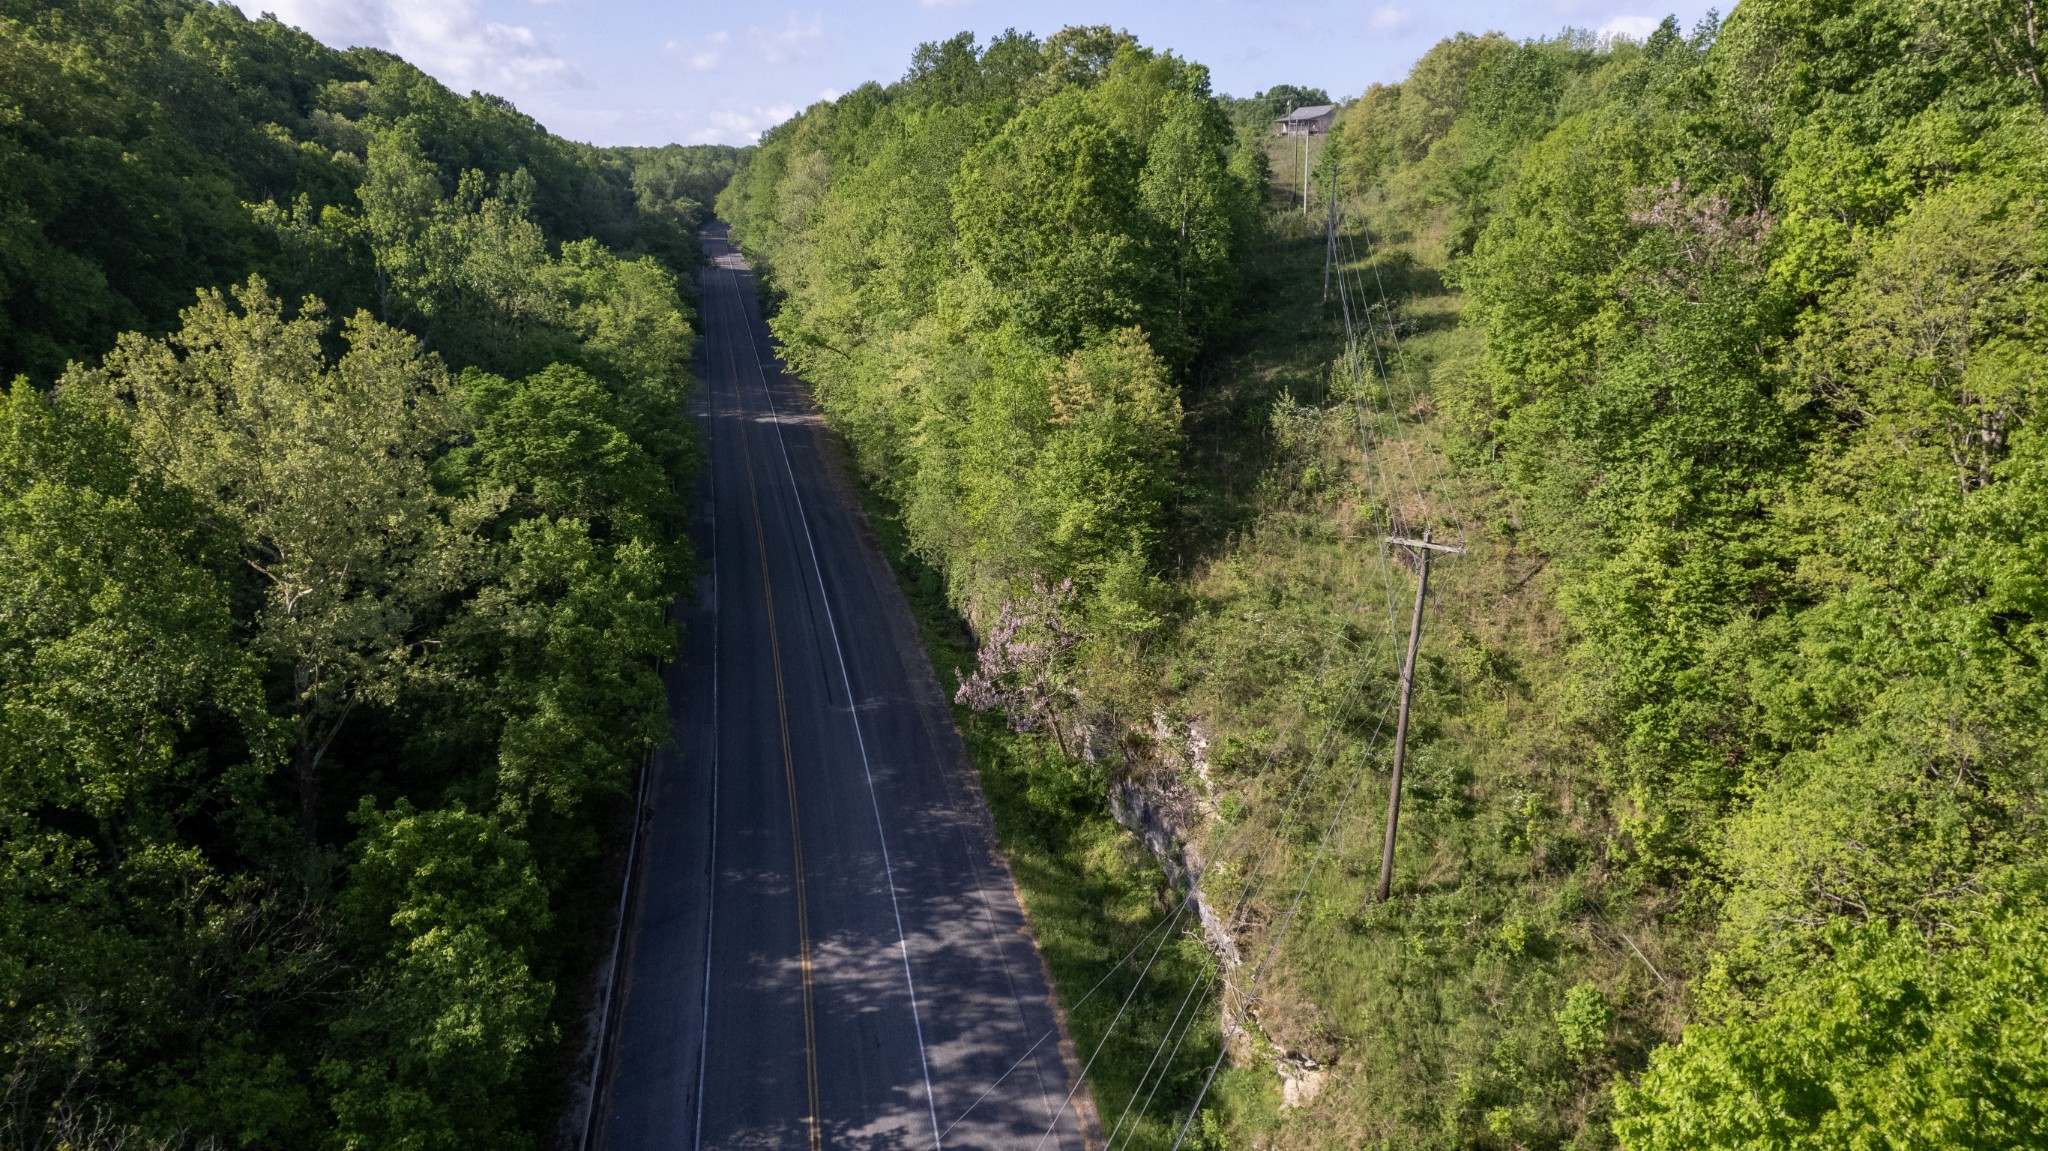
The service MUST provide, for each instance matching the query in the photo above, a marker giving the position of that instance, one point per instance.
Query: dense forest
(338, 522)
(1717, 352)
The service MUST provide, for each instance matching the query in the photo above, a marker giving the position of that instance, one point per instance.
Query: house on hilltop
(1314, 120)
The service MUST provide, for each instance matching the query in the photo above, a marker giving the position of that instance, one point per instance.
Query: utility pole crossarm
(1427, 543)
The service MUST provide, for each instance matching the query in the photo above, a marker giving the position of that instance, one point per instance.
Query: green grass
(1435, 1014)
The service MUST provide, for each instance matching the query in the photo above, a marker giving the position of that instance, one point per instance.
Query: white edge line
(888, 871)
(711, 863)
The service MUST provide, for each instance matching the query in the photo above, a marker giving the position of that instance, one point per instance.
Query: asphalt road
(824, 949)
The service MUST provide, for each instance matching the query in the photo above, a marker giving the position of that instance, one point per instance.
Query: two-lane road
(825, 948)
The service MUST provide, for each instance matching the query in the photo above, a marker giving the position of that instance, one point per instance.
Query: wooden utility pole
(1304, 170)
(1421, 548)
(1330, 235)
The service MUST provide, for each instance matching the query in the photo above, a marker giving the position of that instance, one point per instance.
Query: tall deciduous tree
(128, 712)
(1200, 211)
(318, 466)
(1048, 212)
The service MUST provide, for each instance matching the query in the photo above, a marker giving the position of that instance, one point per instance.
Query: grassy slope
(1435, 1016)
(1437, 1013)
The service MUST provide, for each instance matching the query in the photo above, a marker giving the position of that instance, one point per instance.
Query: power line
(1099, 984)
(1423, 548)
(1354, 352)
(1324, 757)
(1273, 950)
(1111, 1029)
(1198, 983)
(1321, 759)
(1210, 973)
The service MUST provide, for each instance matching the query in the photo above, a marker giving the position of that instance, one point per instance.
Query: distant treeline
(994, 272)
(338, 520)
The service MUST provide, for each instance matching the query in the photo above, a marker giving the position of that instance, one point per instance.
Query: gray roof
(1313, 112)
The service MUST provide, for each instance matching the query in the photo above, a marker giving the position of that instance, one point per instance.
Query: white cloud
(726, 121)
(701, 55)
(448, 38)
(1388, 18)
(795, 40)
(727, 124)
(1629, 27)
(343, 23)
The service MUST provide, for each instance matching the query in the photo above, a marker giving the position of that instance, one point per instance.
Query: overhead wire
(1099, 984)
(1354, 351)
(1213, 969)
(1356, 372)
(1400, 355)
(1121, 1008)
(1352, 359)
(1191, 895)
(1325, 758)
(1321, 760)
(1197, 984)
(1280, 937)
(1392, 424)
(1336, 819)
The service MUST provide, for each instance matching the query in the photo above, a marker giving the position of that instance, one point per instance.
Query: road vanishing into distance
(824, 947)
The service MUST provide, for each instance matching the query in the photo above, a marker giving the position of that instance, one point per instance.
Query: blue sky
(645, 72)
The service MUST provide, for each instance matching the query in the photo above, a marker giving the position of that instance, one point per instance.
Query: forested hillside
(1717, 351)
(1761, 371)
(338, 521)
(992, 272)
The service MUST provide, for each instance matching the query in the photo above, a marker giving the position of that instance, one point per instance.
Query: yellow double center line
(796, 839)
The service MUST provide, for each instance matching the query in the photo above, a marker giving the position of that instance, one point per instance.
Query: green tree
(1048, 212)
(1886, 1043)
(317, 466)
(1197, 205)
(446, 905)
(128, 711)
(266, 565)
(562, 636)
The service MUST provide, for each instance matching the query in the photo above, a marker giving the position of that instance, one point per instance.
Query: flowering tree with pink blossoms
(1022, 662)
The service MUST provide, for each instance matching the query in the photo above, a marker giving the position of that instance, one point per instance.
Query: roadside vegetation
(1718, 352)
(338, 521)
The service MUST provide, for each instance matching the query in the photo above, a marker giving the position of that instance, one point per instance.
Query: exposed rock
(1216, 934)
(1300, 1082)
(1167, 799)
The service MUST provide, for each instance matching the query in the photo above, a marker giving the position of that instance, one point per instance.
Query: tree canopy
(994, 272)
(339, 518)
(1761, 367)
(150, 148)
